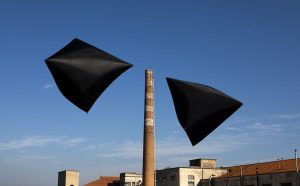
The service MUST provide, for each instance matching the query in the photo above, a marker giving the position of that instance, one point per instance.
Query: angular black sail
(82, 72)
(200, 109)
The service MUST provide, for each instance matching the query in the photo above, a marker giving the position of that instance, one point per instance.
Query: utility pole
(241, 178)
(257, 181)
(297, 170)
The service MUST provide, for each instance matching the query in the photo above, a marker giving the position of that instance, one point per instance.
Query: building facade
(275, 173)
(204, 172)
(189, 176)
(105, 181)
(68, 178)
(130, 179)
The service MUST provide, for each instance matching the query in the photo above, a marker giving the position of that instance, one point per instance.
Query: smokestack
(148, 150)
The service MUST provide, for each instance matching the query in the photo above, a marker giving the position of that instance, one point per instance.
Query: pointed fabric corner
(82, 72)
(200, 109)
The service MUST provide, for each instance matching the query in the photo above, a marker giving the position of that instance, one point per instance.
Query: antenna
(297, 170)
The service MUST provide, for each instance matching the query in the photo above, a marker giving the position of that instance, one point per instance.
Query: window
(173, 177)
(191, 180)
(286, 184)
(133, 183)
(191, 183)
(191, 177)
(164, 179)
(127, 184)
(267, 184)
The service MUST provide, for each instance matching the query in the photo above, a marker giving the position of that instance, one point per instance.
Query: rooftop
(69, 171)
(103, 181)
(279, 166)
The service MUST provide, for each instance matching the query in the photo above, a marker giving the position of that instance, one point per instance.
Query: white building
(130, 179)
(189, 176)
(68, 178)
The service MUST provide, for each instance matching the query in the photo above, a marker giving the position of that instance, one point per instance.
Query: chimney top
(149, 71)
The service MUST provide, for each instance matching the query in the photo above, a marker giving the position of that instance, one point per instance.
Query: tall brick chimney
(148, 148)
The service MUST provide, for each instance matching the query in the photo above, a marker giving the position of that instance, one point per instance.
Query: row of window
(132, 183)
(173, 178)
(270, 184)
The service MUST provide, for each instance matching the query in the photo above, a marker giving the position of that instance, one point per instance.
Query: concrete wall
(61, 178)
(198, 174)
(204, 163)
(72, 178)
(68, 178)
(130, 179)
(208, 163)
(274, 179)
(167, 177)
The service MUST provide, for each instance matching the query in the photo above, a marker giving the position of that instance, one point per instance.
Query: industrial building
(130, 179)
(125, 179)
(179, 176)
(274, 173)
(204, 172)
(105, 181)
(189, 176)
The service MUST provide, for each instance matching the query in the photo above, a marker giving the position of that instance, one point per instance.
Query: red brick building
(105, 181)
(274, 173)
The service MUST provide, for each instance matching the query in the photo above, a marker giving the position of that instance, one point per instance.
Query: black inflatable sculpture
(82, 72)
(200, 109)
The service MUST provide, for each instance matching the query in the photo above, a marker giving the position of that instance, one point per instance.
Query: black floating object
(200, 109)
(82, 72)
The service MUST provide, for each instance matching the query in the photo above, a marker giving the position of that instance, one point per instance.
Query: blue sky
(247, 49)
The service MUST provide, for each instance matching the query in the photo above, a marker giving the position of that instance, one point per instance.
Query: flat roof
(69, 171)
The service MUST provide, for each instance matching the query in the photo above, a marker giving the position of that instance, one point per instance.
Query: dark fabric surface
(82, 72)
(200, 109)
